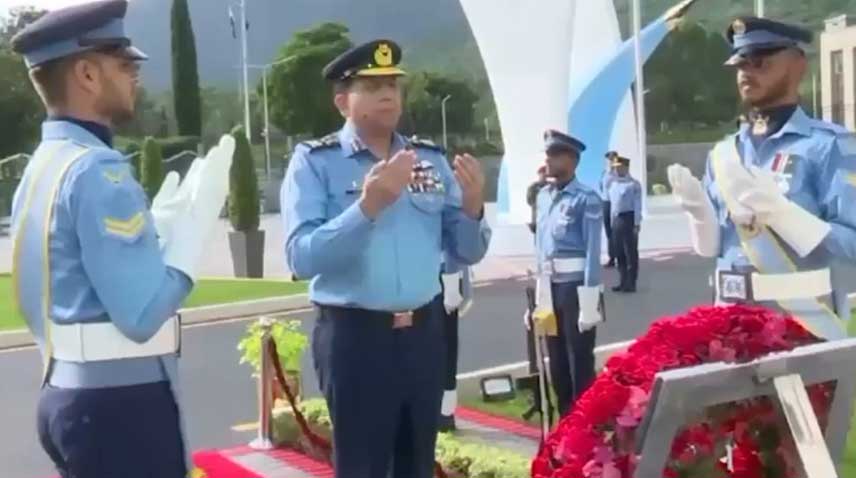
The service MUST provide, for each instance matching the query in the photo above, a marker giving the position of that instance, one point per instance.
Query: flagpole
(759, 8)
(243, 28)
(640, 102)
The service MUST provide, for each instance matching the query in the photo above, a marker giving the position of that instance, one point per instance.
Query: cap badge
(383, 55)
(739, 27)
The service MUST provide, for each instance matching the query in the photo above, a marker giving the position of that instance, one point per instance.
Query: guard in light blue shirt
(775, 204)
(625, 194)
(568, 252)
(368, 216)
(97, 290)
(457, 299)
(605, 180)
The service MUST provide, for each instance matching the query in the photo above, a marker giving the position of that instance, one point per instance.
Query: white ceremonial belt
(756, 287)
(567, 265)
(103, 341)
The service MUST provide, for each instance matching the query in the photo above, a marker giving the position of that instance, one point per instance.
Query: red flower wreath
(596, 439)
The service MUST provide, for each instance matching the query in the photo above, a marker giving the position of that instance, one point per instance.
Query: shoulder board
(827, 126)
(329, 141)
(427, 144)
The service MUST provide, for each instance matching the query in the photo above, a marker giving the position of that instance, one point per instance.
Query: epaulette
(329, 141)
(427, 144)
(837, 129)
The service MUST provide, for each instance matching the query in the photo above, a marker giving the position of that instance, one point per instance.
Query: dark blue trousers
(571, 352)
(627, 247)
(383, 387)
(121, 432)
(607, 227)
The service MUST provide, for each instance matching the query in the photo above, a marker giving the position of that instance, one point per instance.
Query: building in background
(838, 70)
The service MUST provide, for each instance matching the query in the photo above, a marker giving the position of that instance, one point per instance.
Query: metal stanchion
(264, 440)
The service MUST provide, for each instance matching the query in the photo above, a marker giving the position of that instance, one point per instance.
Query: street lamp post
(443, 109)
(265, 69)
(244, 63)
(759, 8)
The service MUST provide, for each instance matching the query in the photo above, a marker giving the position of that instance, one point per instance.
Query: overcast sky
(5, 5)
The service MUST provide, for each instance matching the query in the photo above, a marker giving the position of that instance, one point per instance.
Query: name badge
(735, 287)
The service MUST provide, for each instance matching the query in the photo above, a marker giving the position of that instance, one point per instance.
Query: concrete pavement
(510, 253)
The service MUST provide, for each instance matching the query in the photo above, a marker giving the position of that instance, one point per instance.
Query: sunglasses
(757, 60)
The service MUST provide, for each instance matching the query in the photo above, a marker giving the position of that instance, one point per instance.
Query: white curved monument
(597, 19)
(525, 45)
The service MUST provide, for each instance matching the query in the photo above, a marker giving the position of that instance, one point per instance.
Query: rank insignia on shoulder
(114, 177)
(127, 229)
(417, 142)
(329, 141)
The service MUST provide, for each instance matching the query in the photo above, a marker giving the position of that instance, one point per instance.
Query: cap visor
(385, 71)
(136, 54)
(758, 50)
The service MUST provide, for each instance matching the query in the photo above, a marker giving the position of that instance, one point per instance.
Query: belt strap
(565, 265)
(774, 287)
(103, 341)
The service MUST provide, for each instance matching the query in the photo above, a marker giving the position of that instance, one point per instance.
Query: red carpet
(500, 423)
(215, 465)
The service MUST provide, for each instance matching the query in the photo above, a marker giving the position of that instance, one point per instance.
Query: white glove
(452, 297)
(590, 313)
(704, 228)
(208, 185)
(171, 202)
(802, 230)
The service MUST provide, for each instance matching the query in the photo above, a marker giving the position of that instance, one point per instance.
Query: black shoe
(610, 264)
(618, 288)
(447, 423)
(630, 289)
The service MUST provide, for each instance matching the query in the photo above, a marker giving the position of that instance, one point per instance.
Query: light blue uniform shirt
(569, 226)
(391, 263)
(606, 179)
(105, 262)
(817, 163)
(625, 194)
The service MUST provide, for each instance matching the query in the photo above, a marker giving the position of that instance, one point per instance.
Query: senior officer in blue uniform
(96, 282)
(625, 194)
(774, 205)
(457, 299)
(368, 215)
(569, 287)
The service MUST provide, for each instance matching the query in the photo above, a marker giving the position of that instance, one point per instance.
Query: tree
(222, 110)
(147, 117)
(17, 19)
(151, 165)
(299, 101)
(423, 104)
(687, 82)
(185, 74)
(243, 186)
(21, 110)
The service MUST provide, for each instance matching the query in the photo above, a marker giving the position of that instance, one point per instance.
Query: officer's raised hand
(470, 176)
(385, 182)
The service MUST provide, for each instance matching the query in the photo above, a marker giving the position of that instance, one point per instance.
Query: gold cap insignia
(383, 55)
(739, 27)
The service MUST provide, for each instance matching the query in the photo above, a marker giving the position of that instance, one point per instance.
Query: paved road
(219, 393)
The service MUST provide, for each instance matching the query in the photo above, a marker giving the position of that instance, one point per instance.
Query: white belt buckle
(735, 287)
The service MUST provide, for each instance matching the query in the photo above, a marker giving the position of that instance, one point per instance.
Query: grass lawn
(206, 292)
